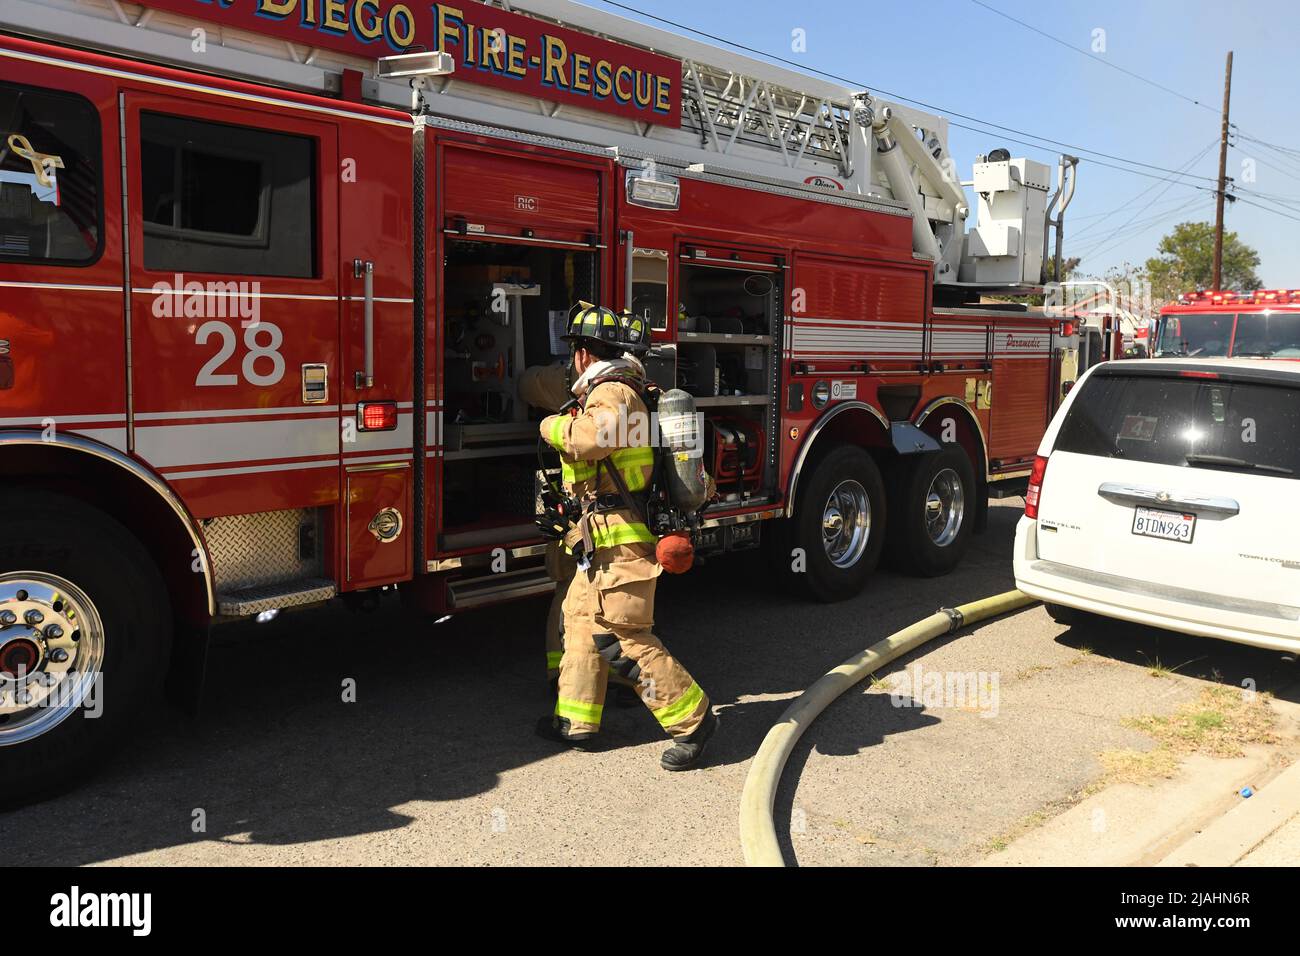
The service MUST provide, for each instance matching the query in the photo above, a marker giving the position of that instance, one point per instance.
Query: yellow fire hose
(757, 829)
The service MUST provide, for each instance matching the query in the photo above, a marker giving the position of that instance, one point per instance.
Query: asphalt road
(436, 763)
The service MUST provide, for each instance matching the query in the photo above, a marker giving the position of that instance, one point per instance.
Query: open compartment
(504, 309)
(728, 327)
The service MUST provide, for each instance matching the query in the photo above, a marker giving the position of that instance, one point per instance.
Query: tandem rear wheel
(931, 511)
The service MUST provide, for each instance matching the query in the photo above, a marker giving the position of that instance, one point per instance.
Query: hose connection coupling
(955, 619)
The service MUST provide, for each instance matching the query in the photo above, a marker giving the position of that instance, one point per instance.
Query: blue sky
(960, 56)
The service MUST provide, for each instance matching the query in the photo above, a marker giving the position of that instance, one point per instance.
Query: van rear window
(1188, 422)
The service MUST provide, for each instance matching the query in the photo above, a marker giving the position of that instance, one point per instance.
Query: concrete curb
(1245, 826)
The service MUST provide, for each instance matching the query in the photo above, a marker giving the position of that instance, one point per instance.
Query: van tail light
(1034, 493)
(377, 416)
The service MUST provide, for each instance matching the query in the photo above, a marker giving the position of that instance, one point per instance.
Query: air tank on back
(681, 434)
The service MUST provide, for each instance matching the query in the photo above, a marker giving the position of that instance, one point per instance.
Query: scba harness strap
(637, 502)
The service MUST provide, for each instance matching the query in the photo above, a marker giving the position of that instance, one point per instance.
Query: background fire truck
(1260, 324)
(269, 276)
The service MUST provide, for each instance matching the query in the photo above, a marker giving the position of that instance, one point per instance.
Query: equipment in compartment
(735, 447)
(728, 325)
(500, 303)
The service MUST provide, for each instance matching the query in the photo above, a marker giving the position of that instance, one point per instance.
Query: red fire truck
(1261, 324)
(271, 270)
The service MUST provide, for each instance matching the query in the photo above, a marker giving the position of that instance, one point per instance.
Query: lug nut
(53, 632)
(33, 617)
(58, 655)
(23, 697)
(7, 618)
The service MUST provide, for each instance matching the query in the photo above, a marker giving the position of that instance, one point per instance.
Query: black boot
(557, 729)
(686, 753)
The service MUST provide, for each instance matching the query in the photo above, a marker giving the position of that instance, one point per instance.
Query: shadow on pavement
(278, 758)
(1208, 659)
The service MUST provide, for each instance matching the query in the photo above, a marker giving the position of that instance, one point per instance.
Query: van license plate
(1168, 525)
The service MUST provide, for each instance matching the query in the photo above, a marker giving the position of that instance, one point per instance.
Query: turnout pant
(560, 567)
(608, 616)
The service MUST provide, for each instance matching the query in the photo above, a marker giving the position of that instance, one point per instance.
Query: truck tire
(87, 627)
(931, 512)
(838, 525)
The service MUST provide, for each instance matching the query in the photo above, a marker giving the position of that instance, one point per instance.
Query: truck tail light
(1034, 493)
(377, 416)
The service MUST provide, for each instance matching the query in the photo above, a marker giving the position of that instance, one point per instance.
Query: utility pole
(1223, 178)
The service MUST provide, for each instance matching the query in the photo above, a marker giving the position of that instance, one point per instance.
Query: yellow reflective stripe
(579, 710)
(576, 471)
(621, 534)
(681, 708)
(634, 478)
(632, 462)
(553, 659)
(556, 437)
(624, 458)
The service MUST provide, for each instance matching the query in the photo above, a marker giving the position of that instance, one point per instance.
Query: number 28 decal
(257, 352)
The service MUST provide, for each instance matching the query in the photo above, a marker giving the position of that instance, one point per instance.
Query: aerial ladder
(741, 117)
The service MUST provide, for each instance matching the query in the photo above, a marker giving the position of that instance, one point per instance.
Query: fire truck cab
(271, 273)
(1260, 324)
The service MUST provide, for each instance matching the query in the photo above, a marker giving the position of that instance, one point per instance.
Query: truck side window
(50, 176)
(227, 199)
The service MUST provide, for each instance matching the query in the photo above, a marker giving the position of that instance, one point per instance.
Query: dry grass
(1029, 822)
(1029, 672)
(1219, 723)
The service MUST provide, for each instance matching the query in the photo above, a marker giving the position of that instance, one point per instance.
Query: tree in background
(1186, 262)
(1068, 266)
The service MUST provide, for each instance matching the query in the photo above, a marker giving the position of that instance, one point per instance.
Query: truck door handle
(366, 270)
(1156, 498)
(630, 266)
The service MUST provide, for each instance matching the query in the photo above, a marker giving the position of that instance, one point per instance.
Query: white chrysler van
(1167, 492)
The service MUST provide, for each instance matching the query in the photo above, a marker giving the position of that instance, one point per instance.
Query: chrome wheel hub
(846, 523)
(51, 652)
(945, 508)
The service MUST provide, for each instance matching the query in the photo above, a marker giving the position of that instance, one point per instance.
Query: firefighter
(547, 387)
(607, 462)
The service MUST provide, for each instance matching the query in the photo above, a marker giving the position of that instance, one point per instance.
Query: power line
(1119, 234)
(1133, 227)
(1292, 163)
(1285, 149)
(1194, 159)
(1171, 176)
(1290, 174)
(1275, 197)
(897, 96)
(1111, 212)
(1277, 212)
(1129, 231)
(1094, 57)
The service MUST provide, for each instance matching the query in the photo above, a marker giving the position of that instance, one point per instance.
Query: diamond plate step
(245, 602)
